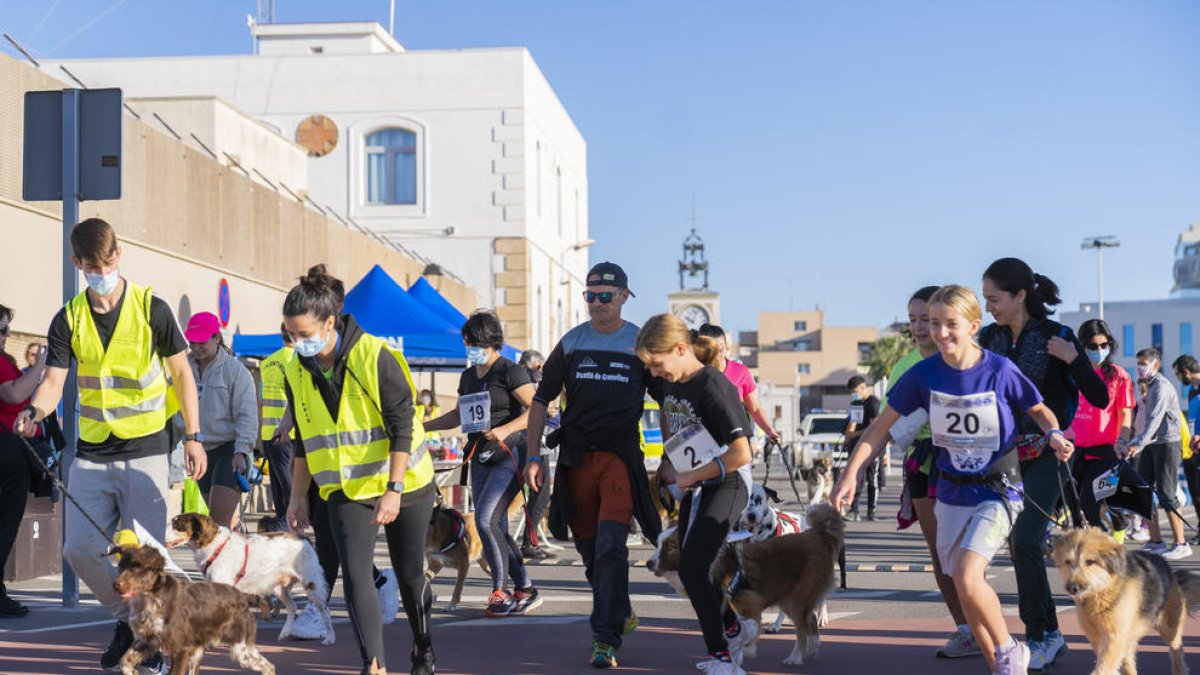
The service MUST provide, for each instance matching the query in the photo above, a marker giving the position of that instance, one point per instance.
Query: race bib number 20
(967, 426)
(692, 448)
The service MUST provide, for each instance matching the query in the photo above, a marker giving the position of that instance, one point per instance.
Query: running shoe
(535, 553)
(1178, 552)
(1155, 547)
(603, 656)
(307, 625)
(1140, 534)
(423, 661)
(747, 633)
(959, 644)
(500, 603)
(631, 623)
(527, 599)
(1043, 654)
(720, 664)
(389, 595)
(1013, 659)
(10, 608)
(153, 665)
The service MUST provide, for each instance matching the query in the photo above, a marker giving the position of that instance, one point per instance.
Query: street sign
(98, 131)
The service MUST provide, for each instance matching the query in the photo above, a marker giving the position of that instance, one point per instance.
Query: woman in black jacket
(1050, 355)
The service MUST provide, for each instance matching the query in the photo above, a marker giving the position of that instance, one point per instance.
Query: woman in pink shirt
(741, 378)
(1096, 430)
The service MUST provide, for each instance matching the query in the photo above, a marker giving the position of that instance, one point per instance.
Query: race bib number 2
(692, 448)
(967, 426)
(475, 412)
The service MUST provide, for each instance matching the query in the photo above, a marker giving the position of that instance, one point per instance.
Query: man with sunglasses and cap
(601, 480)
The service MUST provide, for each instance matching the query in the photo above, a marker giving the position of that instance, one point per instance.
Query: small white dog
(256, 564)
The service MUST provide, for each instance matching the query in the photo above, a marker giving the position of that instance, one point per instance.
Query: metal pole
(70, 287)
(392, 18)
(1100, 274)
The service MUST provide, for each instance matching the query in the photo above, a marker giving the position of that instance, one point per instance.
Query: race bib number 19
(967, 426)
(475, 412)
(692, 448)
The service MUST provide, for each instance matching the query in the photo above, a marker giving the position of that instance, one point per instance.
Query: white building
(466, 157)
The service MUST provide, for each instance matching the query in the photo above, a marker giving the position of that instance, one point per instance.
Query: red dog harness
(781, 518)
(213, 558)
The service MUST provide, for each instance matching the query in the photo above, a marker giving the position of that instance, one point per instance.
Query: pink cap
(202, 326)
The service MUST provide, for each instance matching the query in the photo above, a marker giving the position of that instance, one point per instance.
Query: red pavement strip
(559, 644)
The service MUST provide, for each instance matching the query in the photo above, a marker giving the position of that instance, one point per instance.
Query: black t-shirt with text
(710, 399)
(168, 341)
(870, 410)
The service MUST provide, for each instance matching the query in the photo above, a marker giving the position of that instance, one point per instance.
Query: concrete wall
(1176, 316)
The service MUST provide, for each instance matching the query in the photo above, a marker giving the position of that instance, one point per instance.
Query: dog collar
(459, 533)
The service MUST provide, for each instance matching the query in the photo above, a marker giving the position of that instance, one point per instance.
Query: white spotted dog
(761, 521)
(256, 564)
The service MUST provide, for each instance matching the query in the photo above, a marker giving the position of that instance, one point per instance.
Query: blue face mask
(855, 396)
(1097, 356)
(476, 356)
(310, 347)
(103, 284)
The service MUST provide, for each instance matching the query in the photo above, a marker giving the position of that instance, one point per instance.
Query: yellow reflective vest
(123, 390)
(353, 453)
(273, 392)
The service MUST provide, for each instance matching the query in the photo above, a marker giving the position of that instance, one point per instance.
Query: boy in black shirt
(864, 408)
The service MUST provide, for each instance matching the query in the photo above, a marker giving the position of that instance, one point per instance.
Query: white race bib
(1106, 484)
(967, 426)
(856, 414)
(692, 448)
(475, 412)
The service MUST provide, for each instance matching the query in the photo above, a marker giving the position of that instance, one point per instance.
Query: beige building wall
(797, 349)
(185, 222)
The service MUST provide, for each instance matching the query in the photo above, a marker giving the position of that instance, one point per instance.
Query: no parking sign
(223, 302)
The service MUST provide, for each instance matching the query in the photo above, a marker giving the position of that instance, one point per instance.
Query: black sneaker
(153, 665)
(122, 640)
(11, 609)
(535, 553)
(423, 661)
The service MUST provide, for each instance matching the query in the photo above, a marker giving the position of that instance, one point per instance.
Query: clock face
(694, 316)
(318, 134)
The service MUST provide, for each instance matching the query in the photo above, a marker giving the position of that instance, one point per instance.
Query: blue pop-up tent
(383, 308)
(424, 292)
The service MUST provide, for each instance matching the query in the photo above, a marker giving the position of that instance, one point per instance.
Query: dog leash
(37, 459)
(1124, 463)
(788, 466)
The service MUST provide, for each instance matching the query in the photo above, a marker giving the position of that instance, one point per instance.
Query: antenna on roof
(392, 18)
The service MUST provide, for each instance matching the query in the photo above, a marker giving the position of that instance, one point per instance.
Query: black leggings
(354, 534)
(1090, 462)
(14, 492)
(719, 507)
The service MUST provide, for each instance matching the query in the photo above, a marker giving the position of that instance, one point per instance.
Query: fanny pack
(1006, 471)
(1030, 447)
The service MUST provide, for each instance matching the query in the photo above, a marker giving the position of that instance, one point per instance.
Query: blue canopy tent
(424, 292)
(383, 308)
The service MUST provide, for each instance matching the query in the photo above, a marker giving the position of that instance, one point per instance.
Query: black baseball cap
(608, 274)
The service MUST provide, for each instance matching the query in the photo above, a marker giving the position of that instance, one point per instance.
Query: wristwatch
(396, 486)
(198, 437)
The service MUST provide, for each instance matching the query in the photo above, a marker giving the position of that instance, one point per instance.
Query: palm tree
(885, 352)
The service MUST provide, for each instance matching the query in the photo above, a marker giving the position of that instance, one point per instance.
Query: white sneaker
(1155, 547)
(1015, 661)
(1140, 535)
(1178, 552)
(389, 597)
(959, 644)
(308, 625)
(717, 666)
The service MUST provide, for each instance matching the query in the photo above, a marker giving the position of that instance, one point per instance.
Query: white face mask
(1145, 372)
(103, 284)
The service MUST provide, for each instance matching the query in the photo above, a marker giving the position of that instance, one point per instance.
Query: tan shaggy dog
(1122, 596)
(793, 572)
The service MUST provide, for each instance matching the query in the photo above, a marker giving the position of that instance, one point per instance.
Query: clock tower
(694, 302)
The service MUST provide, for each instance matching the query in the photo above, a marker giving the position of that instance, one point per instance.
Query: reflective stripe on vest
(274, 394)
(353, 453)
(123, 390)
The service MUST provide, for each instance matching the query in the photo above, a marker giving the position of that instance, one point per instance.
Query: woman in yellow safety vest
(358, 439)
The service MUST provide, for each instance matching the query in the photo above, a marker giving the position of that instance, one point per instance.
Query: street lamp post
(1100, 243)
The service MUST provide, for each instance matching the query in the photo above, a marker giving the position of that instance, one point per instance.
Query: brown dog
(793, 572)
(453, 541)
(182, 618)
(1122, 596)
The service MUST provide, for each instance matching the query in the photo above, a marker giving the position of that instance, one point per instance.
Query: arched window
(392, 167)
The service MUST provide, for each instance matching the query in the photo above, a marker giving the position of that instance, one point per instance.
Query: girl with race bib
(971, 395)
(707, 453)
(493, 407)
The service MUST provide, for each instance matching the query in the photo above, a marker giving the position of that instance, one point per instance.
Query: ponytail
(664, 331)
(705, 347)
(1014, 275)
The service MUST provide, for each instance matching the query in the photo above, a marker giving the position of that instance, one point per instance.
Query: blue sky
(841, 154)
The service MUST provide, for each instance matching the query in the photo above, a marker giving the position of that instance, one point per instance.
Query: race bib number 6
(692, 448)
(475, 412)
(967, 426)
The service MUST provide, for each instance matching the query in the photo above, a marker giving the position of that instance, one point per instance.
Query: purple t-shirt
(741, 378)
(993, 374)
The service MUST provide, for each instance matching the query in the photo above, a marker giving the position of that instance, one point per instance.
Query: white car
(820, 435)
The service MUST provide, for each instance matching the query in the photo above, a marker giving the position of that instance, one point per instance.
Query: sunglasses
(1096, 348)
(604, 297)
